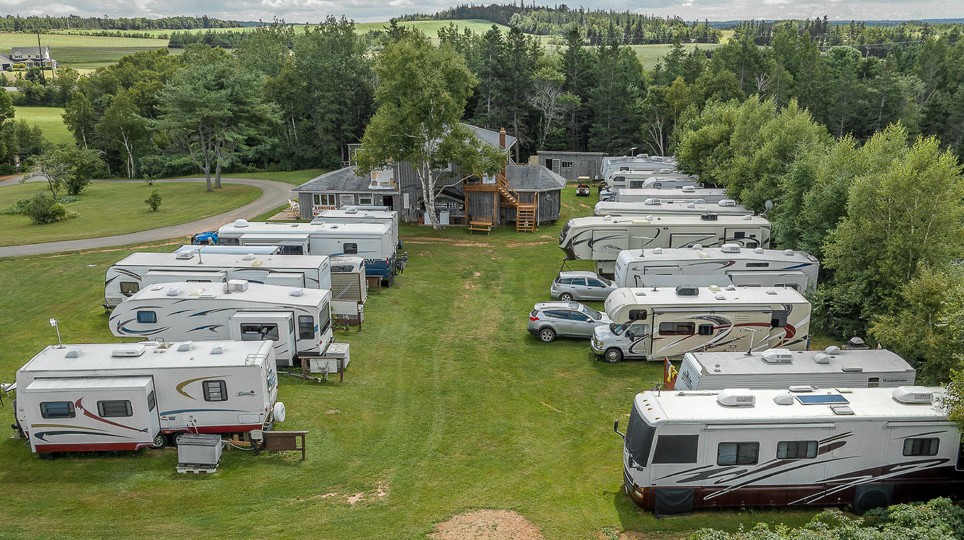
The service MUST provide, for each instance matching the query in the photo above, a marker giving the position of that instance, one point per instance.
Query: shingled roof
(342, 180)
(533, 178)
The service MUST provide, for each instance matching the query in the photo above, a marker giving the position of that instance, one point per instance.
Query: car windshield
(592, 313)
(618, 329)
(605, 281)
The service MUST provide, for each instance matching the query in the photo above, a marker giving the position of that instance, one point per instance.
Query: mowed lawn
(449, 405)
(49, 119)
(108, 208)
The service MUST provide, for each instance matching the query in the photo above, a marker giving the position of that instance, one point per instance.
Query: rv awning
(87, 383)
(280, 239)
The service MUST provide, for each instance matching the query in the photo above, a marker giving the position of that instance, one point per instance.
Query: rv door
(278, 327)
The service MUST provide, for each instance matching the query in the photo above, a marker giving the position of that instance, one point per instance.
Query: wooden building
(571, 165)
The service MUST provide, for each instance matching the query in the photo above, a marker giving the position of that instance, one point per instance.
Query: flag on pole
(669, 374)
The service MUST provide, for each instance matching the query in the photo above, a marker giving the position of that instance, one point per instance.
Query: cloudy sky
(299, 11)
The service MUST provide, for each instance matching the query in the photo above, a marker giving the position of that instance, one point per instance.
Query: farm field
(107, 209)
(49, 119)
(82, 52)
(449, 405)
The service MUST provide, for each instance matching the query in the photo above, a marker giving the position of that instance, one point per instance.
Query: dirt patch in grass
(525, 244)
(487, 525)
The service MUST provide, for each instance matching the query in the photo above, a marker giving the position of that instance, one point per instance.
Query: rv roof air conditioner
(240, 223)
(237, 285)
(736, 397)
(687, 290)
(173, 291)
(72, 353)
(652, 202)
(657, 251)
(788, 252)
(128, 350)
(758, 250)
(689, 189)
(297, 292)
(727, 203)
(709, 217)
(821, 358)
(730, 248)
(777, 356)
(785, 398)
(184, 255)
(185, 347)
(913, 395)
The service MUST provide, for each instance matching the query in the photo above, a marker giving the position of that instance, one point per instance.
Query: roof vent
(237, 285)
(788, 252)
(758, 250)
(709, 217)
(785, 398)
(730, 248)
(697, 246)
(173, 291)
(687, 290)
(798, 388)
(607, 218)
(184, 255)
(72, 353)
(736, 397)
(657, 251)
(821, 358)
(689, 189)
(652, 202)
(777, 356)
(771, 292)
(842, 410)
(240, 223)
(296, 292)
(128, 350)
(731, 287)
(248, 257)
(217, 350)
(691, 205)
(852, 369)
(185, 347)
(913, 394)
(727, 203)
(720, 296)
(832, 350)
(747, 218)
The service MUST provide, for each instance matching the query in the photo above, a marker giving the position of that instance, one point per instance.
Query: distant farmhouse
(29, 57)
(525, 195)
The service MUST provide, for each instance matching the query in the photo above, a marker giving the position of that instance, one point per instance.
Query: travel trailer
(725, 265)
(641, 162)
(661, 322)
(601, 238)
(689, 194)
(106, 397)
(349, 289)
(781, 368)
(360, 214)
(138, 270)
(297, 321)
(229, 250)
(661, 180)
(866, 447)
(650, 207)
(375, 242)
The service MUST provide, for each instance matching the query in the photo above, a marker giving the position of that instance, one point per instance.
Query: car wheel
(546, 335)
(565, 297)
(613, 355)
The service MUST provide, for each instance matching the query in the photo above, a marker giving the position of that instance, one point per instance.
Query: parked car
(577, 285)
(571, 319)
(582, 190)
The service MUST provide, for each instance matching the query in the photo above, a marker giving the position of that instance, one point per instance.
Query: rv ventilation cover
(237, 285)
(691, 205)
(777, 356)
(184, 255)
(747, 218)
(687, 290)
(296, 292)
(758, 251)
(736, 397)
(832, 350)
(184, 347)
(217, 350)
(788, 252)
(726, 203)
(173, 291)
(730, 248)
(652, 202)
(821, 358)
(913, 394)
(72, 353)
(697, 246)
(709, 217)
(128, 351)
(657, 251)
(240, 223)
(785, 398)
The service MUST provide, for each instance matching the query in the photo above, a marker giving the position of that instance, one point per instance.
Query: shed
(571, 165)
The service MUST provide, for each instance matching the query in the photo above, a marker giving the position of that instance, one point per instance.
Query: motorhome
(724, 265)
(665, 180)
(104, 397)
(297, 321)
(360, 214)
(865, 447)
(689, 194)
(665, 322)
(601, 238)
(650, 207)
(781, 368)
(375, 242)
(138, 270)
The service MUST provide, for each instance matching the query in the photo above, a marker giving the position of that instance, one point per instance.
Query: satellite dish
(768, 204)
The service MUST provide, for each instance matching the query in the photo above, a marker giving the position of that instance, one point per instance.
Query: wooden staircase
(525, 213)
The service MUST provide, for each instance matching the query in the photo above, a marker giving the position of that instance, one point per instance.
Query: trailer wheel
(160, 441)
(546, 335)
(613, 355)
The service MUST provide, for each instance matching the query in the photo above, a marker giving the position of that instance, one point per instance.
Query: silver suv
(580, 286)
(550, 319)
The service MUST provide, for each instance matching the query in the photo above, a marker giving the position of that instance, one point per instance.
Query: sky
(313, 11)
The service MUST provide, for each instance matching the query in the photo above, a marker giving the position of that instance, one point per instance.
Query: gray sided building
(571, 165)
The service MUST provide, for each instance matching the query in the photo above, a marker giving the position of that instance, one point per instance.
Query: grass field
(107, 209)
(80, 51)
(50, 120)
(449, 405)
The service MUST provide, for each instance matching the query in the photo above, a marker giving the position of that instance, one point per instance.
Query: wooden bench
(481, 226)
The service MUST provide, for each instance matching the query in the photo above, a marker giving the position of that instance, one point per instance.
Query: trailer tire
(870, 496)
(546, 335)
(160, 441)
(613, 355)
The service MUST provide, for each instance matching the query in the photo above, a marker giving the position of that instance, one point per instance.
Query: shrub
(43, 208)
(154, 201)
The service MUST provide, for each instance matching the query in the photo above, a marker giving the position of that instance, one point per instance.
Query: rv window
(129, 287)
(676, 449)
(637, 314)
(706, 330)
(324, 318)
(115, 408)
(151, 401)
(259, 332)
(306, 327)
(215, 390)
(778, 318)
(737, 453)
(739, 235)
(921, 447)
(796, 449)
(57, 409)
(756, 264)
(292, 250)
(229, 241)
(677, 328)
(350, 248)
(639, 438)
(146, 317)
(873, 382)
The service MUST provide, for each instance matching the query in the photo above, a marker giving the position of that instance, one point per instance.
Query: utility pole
(40, 53)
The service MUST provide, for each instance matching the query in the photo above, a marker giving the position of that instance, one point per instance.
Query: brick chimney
(505, 163)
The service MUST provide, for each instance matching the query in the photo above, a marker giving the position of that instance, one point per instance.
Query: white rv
(357, 214)
(100, 397)
(374, 242)
(204, 249)
(725, 265)
(349, 288)
(656, 206)
(781, 368)
(601, 238)
(868, 447)
(138, 270)
(665, 322)
(688, 194)
(297, 321)
(641, 162)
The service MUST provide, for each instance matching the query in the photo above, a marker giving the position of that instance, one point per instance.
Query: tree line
(34, 23)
